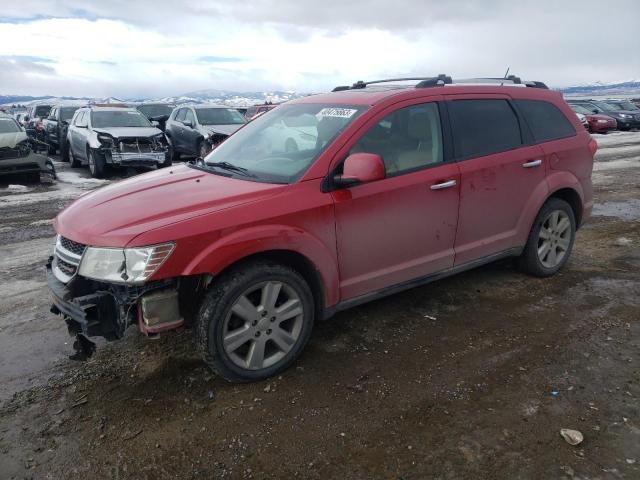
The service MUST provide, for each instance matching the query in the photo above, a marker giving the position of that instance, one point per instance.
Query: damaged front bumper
(96, 309)
(32, 163)
(136, 152)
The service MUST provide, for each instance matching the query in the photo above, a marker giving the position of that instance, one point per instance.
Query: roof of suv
(371, 93)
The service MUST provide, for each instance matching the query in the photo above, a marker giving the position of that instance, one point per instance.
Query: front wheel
(96, 164)
(255, 321)
(551, 239)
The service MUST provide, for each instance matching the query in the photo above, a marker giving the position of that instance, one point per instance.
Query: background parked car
(627, 105)
(257, 110)
(101, 136)
(55, 129)
(16, 155)
(157, 113)
(626, 119)
(194, 130)
(597, 123)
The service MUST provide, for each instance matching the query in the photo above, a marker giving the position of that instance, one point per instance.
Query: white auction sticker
(337, 112)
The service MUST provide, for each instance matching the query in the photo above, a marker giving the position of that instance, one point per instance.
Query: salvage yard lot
(472, 376)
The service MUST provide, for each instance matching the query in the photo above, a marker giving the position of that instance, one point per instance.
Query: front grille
(66, 268)
(73, 247)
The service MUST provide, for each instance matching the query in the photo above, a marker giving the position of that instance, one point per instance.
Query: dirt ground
(469, 377)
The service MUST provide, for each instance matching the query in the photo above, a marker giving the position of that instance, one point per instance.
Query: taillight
(593, 147)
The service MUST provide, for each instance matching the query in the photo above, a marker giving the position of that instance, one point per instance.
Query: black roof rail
(442, 79)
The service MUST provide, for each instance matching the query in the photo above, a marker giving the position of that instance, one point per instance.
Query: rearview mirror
(360, 168)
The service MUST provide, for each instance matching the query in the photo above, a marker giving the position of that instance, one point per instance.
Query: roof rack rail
(441, 80)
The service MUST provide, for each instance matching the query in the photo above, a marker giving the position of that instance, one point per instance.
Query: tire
(64, 152)
(202, 149)
(75, 163)
(257, 325)
(96, 163)
(547, 252)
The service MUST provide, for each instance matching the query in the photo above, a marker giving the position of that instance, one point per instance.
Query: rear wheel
(96, 164)
(255, 321)
(551, 239)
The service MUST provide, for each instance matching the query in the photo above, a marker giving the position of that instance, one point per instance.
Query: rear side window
(545, 120)
(483, 127)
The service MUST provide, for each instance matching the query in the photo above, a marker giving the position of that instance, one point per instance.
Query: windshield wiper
(230, 167)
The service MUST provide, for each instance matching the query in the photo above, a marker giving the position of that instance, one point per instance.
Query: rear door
(402, 227)
(500, 170)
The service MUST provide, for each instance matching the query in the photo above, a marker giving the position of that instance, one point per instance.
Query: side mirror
(188, 123)
(360, 168)
(594, 111)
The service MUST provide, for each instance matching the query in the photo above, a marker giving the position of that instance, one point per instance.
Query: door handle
(533, 163)
(440, 186)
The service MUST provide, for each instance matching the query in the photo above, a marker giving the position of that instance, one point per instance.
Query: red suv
(400, 185)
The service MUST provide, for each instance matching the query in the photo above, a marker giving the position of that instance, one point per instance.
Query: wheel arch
(572, 197)
(290, 246)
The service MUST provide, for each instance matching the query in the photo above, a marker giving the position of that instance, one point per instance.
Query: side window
(180, 115)
(189, 117)
(408, 139)
(80, 120)
(483, 127)
(545, 120)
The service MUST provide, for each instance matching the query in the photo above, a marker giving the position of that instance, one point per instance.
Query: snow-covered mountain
(235, 99)
(629, 88)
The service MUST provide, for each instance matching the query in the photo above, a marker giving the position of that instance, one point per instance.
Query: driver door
(403, 227)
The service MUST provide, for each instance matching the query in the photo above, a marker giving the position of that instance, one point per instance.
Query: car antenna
(505, 74)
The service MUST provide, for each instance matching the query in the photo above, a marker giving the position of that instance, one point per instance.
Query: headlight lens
(105, 139)
(129, 265)
(624, 115)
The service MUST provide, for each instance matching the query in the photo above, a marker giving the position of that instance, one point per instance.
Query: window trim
(525, 135)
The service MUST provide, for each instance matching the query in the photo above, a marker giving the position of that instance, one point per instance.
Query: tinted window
(482, 127)
(8, 125)
(219, 116)
(118, 118)
(81, 120)
(188, 116)
(180, 115)
(545, 120)
(408, 139)
(151, 111)
(66, 113)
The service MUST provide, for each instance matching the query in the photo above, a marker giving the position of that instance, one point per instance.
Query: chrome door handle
(440, 186)
(533, 163)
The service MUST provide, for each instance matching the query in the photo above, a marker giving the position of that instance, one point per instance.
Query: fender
(556, 180)
(250, 241)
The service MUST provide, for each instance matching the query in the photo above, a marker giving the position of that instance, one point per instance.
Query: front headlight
(129, 265)
(624, 115)
(105, 140)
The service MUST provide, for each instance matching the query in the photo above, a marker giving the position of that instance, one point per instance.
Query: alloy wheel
(554, 238)
(263, 325)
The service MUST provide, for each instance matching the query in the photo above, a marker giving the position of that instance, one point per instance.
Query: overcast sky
(129, 48)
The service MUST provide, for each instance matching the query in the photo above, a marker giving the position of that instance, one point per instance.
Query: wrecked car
(16, 154)
(115, 136)
(55, 129)
(195, 130)
(157, 113)
(402, 186)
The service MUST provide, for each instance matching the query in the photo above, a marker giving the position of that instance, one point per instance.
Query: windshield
(279, 147)
(66, 113)
(115, 118)
(626, 105)
(151, 111)
(580, 109)
(604, 106)
(8, 125)
(42, 111)
(615, 106)
(219, 116)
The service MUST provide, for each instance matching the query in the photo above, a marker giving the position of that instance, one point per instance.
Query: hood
(118, 132)
(224, 129)
(114, 215)
(10, 140)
